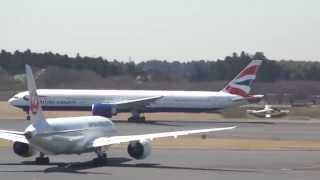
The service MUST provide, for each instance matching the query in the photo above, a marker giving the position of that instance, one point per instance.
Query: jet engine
(139, 149)
(23, 149)
(106, 110)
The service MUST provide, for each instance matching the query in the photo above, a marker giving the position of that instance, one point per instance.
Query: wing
(13, 136)
(106, 141)
(136, 103)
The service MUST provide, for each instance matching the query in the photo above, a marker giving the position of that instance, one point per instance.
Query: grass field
(10, 113)
(236, 144)
(198, 143)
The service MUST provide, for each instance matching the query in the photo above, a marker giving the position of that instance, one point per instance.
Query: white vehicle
(110, 102)
(77, 135)
(268, 112)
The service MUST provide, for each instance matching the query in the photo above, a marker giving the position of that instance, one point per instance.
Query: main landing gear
(28, 115)
(136, 117)
(102, 157)
(42, 159)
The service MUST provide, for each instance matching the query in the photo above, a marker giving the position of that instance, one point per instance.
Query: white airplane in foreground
(77, 135)
(109, 102)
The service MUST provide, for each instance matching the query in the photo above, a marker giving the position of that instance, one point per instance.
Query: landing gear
(42, 160)
(102, 157)
(28, 115)
(136, 117)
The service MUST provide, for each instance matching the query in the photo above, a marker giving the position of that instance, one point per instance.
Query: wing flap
(106, 141)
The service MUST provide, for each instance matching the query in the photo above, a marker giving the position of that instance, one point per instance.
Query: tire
(42, 160)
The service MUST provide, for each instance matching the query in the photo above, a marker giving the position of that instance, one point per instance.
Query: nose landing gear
(42, 159)
(102, 157)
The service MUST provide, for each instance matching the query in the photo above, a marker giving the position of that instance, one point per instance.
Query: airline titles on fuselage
(57, 102)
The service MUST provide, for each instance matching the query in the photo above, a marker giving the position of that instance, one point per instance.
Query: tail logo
(34, 104)
(241, 84)
(245, 82)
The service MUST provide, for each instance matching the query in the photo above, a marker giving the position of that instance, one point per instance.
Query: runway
(182, 164)
(170, 164)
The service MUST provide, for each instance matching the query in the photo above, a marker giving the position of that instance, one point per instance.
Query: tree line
(201, 70)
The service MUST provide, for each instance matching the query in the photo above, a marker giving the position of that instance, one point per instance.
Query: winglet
(37, 118)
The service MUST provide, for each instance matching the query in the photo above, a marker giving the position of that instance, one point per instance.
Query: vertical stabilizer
(241, 84)
(37, 118)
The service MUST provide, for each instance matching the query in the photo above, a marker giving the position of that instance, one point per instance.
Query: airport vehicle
(268, 112)
(77, 135)
(110, 102)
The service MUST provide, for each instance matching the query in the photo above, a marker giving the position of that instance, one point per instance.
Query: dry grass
(238, 144)
(233, 144)
(194, 143)
(8, 112)
(4, 143)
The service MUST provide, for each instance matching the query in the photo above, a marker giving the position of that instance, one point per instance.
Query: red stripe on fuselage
(249, 71)
(237, 91)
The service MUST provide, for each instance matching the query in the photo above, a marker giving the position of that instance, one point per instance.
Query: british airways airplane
(77, 135)
(110, 102)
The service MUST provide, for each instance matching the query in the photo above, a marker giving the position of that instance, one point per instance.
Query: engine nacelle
(139, 149)
(106, 110)
(23, 149)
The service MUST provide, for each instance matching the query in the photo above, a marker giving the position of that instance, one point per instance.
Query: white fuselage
(72, 135)
(170, 101)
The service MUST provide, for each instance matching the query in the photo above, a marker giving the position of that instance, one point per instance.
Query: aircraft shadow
(216, 122)
(83, 167)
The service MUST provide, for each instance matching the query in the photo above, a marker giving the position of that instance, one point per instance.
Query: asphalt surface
(169, 164)
(181, 164)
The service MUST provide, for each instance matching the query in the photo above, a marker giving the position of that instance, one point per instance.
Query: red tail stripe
(249, 71)
(237, 91)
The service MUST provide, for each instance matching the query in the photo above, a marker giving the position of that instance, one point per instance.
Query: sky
(164, 29)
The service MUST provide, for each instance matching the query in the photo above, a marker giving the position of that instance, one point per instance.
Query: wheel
(130, 119)
(42, 160)
(28, 118)
(101, 159)
(142, 119)
(137, 119)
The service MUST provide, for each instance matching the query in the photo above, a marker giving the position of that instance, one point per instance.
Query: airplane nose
(11, 101)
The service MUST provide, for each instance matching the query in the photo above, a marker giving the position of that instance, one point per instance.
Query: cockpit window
(26, 98)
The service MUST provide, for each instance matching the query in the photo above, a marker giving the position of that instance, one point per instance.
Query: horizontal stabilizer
(13, 136)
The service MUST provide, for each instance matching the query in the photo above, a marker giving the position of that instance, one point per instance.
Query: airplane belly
(181, 104)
